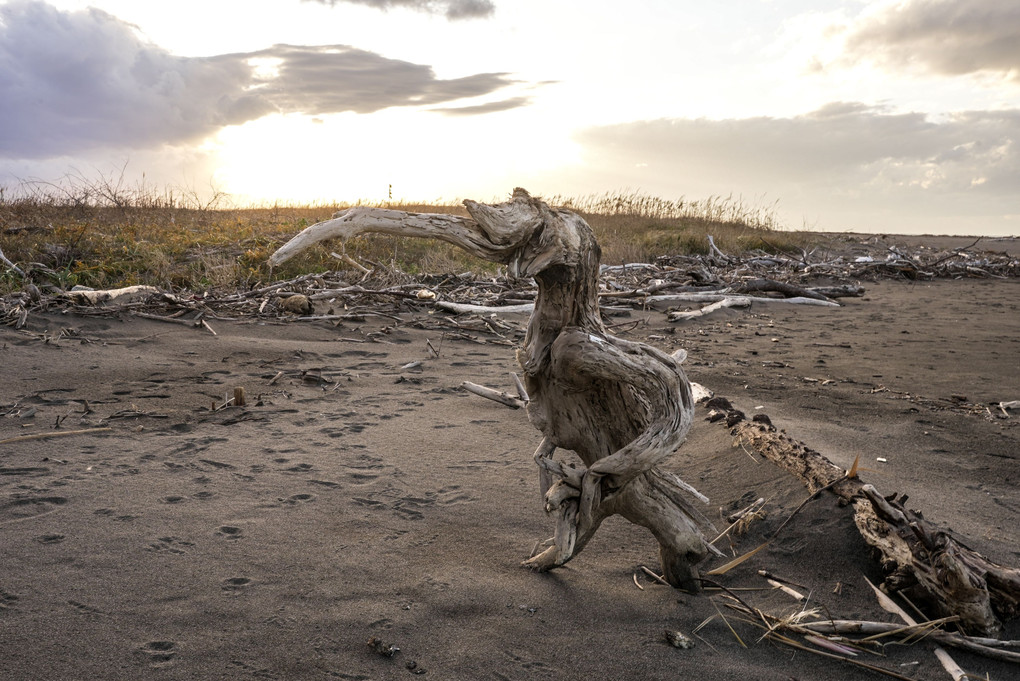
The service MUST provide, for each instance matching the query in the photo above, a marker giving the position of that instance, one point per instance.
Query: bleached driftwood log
(120, 295)
(745, 301)
(925, 562)
(622, 407)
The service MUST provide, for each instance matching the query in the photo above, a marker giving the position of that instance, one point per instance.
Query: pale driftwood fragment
(944, 658)
(522, 392)
(622, 407)
(493, 394)
(715, 250)
(110, 295)
(466, 308)
(352, 262)
(730, 301)
(744, 301)
(14, 268)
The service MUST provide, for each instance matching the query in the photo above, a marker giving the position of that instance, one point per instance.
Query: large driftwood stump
(621, 406)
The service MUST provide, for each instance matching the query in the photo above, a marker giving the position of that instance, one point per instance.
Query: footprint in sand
(218, 464)
(299, 498)
(233, 586)
(325, 483)
(22, 508)
(50, 538)
(449, 496)
(174, 545)
(359, 478)
(160, 652)
(230, 532)
(7, 600)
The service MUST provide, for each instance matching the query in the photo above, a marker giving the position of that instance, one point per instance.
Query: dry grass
(103, 235)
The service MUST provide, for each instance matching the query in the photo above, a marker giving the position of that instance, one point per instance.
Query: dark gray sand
(354, 499)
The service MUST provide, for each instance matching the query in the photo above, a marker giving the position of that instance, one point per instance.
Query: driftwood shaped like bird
(621, 406)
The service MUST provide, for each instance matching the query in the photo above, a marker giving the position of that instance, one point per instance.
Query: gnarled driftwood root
(621, 407)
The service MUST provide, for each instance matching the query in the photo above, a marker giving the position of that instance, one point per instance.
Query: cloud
(453, 9)
(80, 81)
(844, 154)
(946, 37)
(490, 107)
(334, 78)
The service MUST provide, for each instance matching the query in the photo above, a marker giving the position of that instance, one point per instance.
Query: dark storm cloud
(74, 81)
(844, 149)
(453, 9)
(949, 37)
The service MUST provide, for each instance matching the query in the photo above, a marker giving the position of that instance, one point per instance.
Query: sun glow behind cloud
(343, 157)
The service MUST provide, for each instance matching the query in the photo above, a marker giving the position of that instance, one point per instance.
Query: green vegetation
(102, 235)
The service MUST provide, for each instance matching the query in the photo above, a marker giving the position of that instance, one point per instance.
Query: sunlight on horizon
(351, 157)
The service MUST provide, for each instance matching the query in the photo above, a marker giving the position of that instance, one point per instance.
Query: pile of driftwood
(671, 283)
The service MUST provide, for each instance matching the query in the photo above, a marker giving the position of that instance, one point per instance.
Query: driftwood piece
(467, 308)
(621, 407)
(746, 301)
(495, 395)
(729, 301)
(90, 297)
(788, 290)
(921, 560)
(14, 268)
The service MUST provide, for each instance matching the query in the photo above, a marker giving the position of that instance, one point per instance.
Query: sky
(895, 116)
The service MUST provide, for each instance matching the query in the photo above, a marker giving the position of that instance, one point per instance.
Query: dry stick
(656, 577)
(773, 634)
(889, 605)
(792, 593)
(740, 515)
(988, 647)
(887, 672)
(15, 268)
(522, 392)
(491, 394)
(58, 433)
(352, 262)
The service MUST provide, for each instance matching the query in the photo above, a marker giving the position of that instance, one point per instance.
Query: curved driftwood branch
(621, 407)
